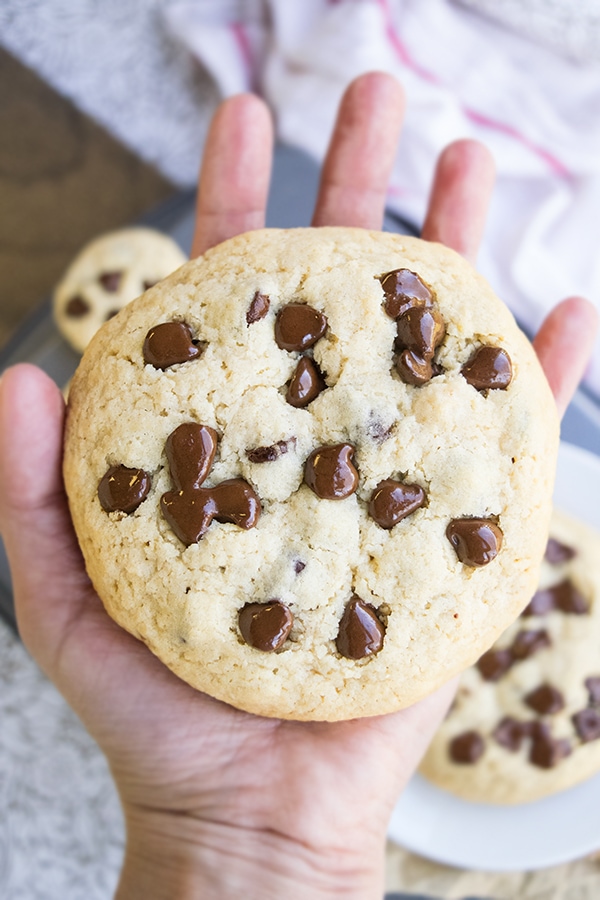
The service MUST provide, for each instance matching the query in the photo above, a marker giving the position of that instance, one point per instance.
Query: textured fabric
(61, 829)
(569, 27)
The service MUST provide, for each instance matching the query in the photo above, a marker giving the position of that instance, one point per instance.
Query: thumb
(45, 561)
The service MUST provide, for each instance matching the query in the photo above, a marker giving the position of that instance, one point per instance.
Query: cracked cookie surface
(395, 428)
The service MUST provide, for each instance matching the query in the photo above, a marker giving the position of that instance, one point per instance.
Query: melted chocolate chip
(299, 566)
(526, 643)
(190, 450)
(413, 369)
(545, 700)
(258, 308)
(466, 748)
(593, 686)
(546, 752)
(489, 368)
(476, 541)
(360, 633)
(557, 553)
(420, 330)
(168, 344)
(190, 513)
(494, 664)
(392, 501)
(299, 326)
(122, 489)
(265, 626)
(77, 308)
(271, 453)
(563, 596)
(329, 472)
(190, 508)
(403, 290)
(587, 724)
(509, 733)
(110, 281)
(306, 384)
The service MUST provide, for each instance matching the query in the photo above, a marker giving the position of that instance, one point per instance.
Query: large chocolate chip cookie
(312, 470)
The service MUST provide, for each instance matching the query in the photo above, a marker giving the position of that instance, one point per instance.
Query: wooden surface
(63, 180)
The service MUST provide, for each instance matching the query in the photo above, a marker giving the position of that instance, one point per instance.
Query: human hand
(218, 801)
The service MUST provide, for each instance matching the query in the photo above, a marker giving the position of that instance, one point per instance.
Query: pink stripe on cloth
(477, 118)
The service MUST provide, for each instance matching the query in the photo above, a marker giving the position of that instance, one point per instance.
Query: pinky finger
(564, 344)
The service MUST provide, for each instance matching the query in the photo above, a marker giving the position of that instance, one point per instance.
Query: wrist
(180, 858)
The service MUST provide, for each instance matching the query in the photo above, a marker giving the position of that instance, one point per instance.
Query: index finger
(235, 173)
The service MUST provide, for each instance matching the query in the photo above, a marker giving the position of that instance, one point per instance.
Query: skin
(217, 801)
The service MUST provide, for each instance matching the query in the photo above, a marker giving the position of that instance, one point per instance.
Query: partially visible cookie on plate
(526, 719)
(106, 275)
(313, 470)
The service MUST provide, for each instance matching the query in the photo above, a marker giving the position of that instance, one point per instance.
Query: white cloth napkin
(539, 113)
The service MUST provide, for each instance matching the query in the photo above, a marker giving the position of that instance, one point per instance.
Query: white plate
(560, 828)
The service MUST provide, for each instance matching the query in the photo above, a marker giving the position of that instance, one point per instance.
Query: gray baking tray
(291, 201)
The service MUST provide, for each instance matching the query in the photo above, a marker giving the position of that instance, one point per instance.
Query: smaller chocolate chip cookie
(526, 719)
(106, 275)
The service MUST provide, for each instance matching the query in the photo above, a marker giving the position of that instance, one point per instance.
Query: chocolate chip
(403, 290)
(190, 450)
(509, 733)
(476, 541)
(413, 369)
(587, 724)
(122, 489)
(392, 501)
(377, 430)
(420, 330)
(265, 626)
(190, 508)
(271, 453)
(329, 472)
(569, 599)
(489, 368)
(593, 686)
(110, 281)
(299, 566)
(360, 633)
(306, 384)
(526, 643)
(546, 752)
(111, 314)
(563, 596)
(466, 748)
(542, 602)
(494, 664)
(299, 326)
(77, 307)
(149, 284)
(557, 553)
(258, 308)
(168, 344)
(190, 513)
(545, 700)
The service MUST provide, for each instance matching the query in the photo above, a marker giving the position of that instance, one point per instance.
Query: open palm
(190, 764)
